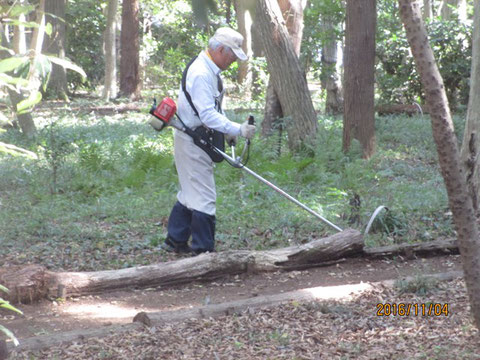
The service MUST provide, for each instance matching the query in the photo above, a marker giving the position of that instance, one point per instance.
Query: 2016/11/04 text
(412, 309)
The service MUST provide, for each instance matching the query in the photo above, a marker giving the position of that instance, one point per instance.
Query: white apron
(195, 175)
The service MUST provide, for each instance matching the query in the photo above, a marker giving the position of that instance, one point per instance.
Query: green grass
(115, 183)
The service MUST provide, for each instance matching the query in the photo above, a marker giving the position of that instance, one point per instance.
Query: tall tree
(330, 79)
(130, 50)
(245, 15)
(359, 60)
(19, 39)
(55, 45)
(471, 136)
(427, 9)
(447, 149)
(286, 74)
(110, 85)
(292, 12)
(448, 7)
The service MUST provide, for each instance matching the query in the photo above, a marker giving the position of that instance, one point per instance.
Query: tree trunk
(287, 76)
(19, 40)
(330, 79)
(273, 110)
(110, 88)
(292, 12)
(129, 53)
(359, 113)
(448, 154)
(448, 7)
(34, 282)
(25, 120)
(55, 45)
(471, 139)
(245, 11)
(257, 51)
(427, 9)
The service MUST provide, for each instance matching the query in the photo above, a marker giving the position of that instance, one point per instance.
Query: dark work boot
(170, 246)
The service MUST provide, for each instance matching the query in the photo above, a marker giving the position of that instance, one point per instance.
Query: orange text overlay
(412, 309)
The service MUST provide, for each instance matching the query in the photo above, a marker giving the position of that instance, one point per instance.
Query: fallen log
(400, 109)
(203, 267)
(443, 246)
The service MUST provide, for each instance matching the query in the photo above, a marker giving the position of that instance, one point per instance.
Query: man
(199, 104)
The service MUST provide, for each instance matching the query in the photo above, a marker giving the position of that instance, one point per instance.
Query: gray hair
(214, 43)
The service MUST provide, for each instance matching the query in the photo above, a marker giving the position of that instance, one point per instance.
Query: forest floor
(347, 328)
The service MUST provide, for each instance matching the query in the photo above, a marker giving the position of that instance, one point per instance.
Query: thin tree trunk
(448, 7)
(110, 88)
(292, 12)
(444, 135)
(245, 14)
(427, 9)
(359, 113)
(129, 53)
(19, 40)
(257, 51)
(471, 140)
(55, 45)
(287, 76)
(330, 79)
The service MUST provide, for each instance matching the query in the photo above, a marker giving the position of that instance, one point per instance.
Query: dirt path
(48, 317)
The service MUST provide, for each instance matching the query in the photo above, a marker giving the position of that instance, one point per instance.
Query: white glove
(247, 131)
(231, 140)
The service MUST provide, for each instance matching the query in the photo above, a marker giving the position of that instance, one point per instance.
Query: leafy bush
(85, 17)
(396, 77)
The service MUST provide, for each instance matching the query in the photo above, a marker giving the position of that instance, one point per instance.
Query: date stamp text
(412, 309)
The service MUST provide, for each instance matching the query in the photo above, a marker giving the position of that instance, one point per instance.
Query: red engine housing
(165, 110)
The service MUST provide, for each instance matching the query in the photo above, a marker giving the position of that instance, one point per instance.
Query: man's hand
(247, 131)
(231, 140)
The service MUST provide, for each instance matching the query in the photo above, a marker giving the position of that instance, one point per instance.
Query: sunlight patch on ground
(337, 292)
(105, 310)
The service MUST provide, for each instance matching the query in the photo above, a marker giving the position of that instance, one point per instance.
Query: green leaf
(10, 51)
(24, 106)
(7, 79)
(27, 24)
(6, 305)
(12, 63)
(48, 29)
(4, 289)
(67, 64)
(43, 67)
(9, 334)
(21, 9)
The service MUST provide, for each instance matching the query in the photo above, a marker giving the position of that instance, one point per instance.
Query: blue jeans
(184, 222)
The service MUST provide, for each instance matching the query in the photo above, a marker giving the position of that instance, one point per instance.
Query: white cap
(232, 39)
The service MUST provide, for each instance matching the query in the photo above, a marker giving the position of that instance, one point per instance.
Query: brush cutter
(165, 115)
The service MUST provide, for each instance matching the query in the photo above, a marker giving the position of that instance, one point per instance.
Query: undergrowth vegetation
(100, 192)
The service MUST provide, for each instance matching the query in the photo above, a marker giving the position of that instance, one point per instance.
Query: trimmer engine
(163, 112)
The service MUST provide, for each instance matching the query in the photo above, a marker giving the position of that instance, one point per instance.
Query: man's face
(227, 57)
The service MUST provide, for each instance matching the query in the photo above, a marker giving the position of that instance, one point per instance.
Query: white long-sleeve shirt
(202, 85)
